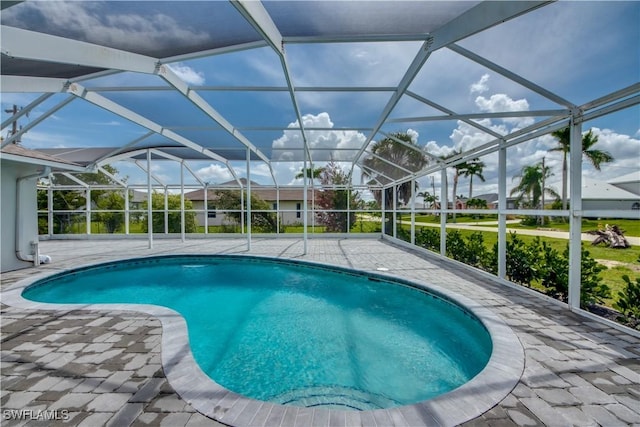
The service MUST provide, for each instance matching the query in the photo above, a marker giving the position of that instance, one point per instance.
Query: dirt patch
(609, 263)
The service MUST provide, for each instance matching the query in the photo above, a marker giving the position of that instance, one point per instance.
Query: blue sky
(578, 50)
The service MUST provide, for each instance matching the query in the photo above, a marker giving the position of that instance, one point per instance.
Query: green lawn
(630, 227)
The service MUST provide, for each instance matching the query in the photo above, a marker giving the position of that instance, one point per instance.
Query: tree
(428, 198)
(531, 185)
(174, 218)
(457, 171)
(110, 201)
(261, 219)
(334, 203)
(407, 155)
(595, 157)
(477, 203)
(472, 168)
(313, 174)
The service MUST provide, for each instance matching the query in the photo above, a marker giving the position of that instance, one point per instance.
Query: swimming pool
(340, 339)
(297, 334)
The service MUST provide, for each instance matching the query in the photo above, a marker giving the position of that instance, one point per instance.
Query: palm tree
(396, 153)
(457, 169)
(313, 174)
(473, 167)
(595, 157)
(428, 198)
(532, 185)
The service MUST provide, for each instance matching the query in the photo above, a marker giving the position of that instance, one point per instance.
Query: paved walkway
(96, 368)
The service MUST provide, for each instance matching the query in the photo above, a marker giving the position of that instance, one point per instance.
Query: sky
(577, 50)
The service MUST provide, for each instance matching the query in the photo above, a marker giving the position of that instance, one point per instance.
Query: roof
(633, 177)
(18, 153)
(286, 194)
(126, 58)
(597, 190)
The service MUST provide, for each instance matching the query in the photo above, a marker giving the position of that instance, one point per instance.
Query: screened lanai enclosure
(400, 120)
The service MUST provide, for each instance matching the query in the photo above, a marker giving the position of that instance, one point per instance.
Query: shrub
(628, 301)
(553, 270)
(593, 291)
(521, 261)
(456, 247)
(428, 238)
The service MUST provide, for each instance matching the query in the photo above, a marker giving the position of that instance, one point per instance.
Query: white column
(575, 212)
(395, 212)
(88, 209)
(502, 213)
(182, 224)
(248, 199)
(50, 208)
(149, 202)
(206, 209)
(241, 210)
(413, 211)
(348, 210)
(305, 206)
(444, 205)
(127, 214)
(277, 209)
(383, 215)
(166, 209)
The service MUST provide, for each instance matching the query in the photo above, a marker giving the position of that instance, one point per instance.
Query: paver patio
(91, 368)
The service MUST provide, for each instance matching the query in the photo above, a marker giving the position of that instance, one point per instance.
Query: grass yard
(630, 227)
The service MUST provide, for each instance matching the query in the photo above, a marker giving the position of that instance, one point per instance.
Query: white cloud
(501, 102)
(624, 149)
(414, 135)
(214, 173)
(289, 146)
(481, 85)
(89, 21)
(188, 74)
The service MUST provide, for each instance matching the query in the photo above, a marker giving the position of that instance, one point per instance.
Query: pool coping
(481, 393)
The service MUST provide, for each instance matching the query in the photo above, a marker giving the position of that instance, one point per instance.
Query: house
(20, 169)
(290, 208)
(599, 195)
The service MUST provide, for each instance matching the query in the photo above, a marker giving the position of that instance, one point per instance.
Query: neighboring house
(599, 195)
(490, 198)
(291, 202)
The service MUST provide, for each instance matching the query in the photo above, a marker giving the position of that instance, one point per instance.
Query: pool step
(334, 397)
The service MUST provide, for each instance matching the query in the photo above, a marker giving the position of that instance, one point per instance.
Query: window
(212, 210)
(298, 208)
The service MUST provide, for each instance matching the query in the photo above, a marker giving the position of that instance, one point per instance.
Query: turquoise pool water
(293, 333)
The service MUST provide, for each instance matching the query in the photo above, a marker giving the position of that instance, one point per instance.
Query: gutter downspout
(35, 256)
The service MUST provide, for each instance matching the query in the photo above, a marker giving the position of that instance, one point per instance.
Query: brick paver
(102, 368)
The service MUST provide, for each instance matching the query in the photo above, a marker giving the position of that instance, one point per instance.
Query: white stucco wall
(288, 213)
(623, 205)
(10, 172)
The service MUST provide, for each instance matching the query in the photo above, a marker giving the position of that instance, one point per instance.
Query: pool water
(296, 334)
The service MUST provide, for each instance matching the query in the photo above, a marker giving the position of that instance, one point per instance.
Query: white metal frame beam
(481, 17)
(99, 100)
(16, 136)
(44, 47)
(511, 76)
